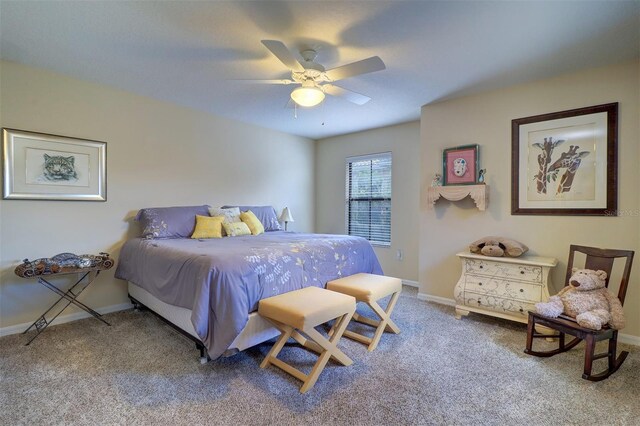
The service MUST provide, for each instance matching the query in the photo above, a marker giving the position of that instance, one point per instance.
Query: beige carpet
(438, 371)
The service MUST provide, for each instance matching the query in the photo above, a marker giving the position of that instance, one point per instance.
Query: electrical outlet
(399, 254)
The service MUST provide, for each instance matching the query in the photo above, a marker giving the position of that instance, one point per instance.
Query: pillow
(236, 229)
(231, 214)
(266, 214)
(252, 222)
(208, 227)
(169, 222)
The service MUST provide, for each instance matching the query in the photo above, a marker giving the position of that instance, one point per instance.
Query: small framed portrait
(40, 166)
(460, 165)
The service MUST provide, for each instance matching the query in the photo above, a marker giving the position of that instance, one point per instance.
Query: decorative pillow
(252, 222)
(170, 222)
(266, 214)
(208, 227)
(230, 214)
(236, 229)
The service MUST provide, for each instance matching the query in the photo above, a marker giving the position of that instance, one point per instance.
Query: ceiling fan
(314, 80)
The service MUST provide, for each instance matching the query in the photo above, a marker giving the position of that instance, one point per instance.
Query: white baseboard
(437, 299)
(410, 283)
(629, 339)
(19, 328)
(622, 338)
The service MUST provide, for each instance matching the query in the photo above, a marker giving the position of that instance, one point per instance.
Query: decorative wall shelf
(479, 194)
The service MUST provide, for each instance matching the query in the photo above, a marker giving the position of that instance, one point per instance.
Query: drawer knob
(481, 266)
(479, 302)
(522, 272)
(521, 310)
(479, 283)
(521, 290)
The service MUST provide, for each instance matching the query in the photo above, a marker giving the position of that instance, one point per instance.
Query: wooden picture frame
(40, 166)
(565, 163)
(460, 165)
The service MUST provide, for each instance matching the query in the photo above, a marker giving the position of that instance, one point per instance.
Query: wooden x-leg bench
(369, 288)
(296, 314)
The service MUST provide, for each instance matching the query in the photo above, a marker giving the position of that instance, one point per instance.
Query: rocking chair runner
(597, 259)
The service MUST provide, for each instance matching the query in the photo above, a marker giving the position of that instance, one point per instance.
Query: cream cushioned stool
(300, 311)
(369, 288)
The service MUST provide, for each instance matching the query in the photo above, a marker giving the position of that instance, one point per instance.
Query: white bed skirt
(256, 331)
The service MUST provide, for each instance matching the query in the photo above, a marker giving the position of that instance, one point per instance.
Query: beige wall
(404, 142)
(485, 119)
(158, 154)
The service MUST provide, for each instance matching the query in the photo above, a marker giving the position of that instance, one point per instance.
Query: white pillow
(230, 214)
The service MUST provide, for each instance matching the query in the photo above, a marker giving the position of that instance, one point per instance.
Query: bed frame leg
(204, 356)
(137, 306)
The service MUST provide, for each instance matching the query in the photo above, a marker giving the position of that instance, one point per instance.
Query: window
(369, 197)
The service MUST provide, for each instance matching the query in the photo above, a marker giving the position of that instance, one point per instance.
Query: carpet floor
(439, 370)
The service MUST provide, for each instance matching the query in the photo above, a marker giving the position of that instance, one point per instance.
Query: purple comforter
(222, 280)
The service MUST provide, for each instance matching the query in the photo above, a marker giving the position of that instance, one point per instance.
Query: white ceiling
(186, 52)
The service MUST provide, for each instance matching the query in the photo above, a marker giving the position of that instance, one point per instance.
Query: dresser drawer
(498, 304)
(511, 271)
(494, 286)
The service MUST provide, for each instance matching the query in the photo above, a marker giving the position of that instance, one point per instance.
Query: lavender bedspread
(222, 280)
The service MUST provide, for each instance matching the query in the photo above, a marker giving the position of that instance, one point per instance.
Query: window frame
(348, 199)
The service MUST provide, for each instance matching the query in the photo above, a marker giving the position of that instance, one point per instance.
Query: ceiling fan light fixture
(307, 96)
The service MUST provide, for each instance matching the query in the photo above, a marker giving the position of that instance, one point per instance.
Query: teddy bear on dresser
(587, 300)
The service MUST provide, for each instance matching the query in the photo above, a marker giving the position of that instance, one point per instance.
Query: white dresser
(503, 287)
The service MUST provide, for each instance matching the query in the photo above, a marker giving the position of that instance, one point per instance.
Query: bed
(210, 288)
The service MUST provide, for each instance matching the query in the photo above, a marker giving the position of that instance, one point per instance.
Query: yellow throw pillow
(208, 227)
(236, 229)
(252, 222)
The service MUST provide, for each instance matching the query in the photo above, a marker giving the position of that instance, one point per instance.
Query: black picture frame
(598, 126)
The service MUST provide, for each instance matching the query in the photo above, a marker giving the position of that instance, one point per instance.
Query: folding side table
(64, 264)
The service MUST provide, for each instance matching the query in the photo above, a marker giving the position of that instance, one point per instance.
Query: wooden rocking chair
(597, 259)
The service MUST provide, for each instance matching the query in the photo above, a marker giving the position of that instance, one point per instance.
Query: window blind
(368, 197)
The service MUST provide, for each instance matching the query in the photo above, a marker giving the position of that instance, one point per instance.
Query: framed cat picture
(39, 166)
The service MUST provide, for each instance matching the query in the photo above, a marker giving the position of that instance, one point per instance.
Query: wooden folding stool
(296, 314)
(369, 288)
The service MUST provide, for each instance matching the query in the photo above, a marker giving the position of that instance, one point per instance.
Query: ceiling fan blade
(281, 52)
(350, 96)
(282, 81)
(356, 68)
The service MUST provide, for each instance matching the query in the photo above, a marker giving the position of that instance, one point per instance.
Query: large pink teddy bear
(587, 300)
